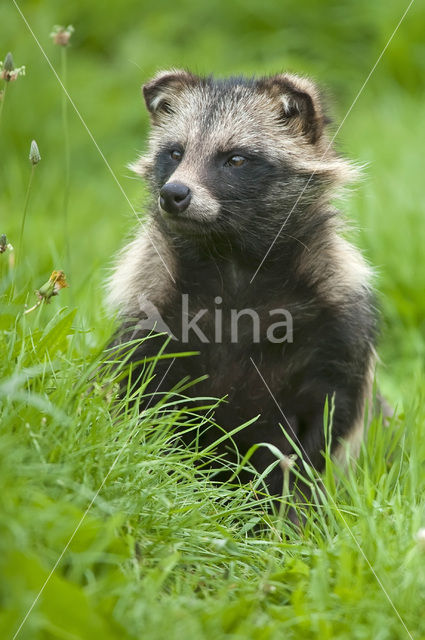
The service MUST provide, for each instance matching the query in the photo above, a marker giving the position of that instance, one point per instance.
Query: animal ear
(299, 102)
(159, 93)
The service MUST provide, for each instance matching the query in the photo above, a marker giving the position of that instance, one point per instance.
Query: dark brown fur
(278, 204)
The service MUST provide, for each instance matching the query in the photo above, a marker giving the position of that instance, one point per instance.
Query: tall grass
(164, 550)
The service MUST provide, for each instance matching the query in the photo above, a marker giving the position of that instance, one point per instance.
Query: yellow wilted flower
(55, 283)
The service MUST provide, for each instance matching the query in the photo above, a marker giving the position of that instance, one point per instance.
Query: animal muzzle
(174, 197)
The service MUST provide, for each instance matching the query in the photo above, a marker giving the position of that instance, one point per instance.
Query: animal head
(236, 156)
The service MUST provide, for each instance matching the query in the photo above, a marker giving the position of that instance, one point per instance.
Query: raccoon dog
(242, 234)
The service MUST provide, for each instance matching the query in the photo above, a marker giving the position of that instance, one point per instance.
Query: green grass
(163, 552)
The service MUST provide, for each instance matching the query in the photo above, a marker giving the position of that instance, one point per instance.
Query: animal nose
(174, 197)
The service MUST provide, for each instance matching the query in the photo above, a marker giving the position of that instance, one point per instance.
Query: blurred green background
(118, 45)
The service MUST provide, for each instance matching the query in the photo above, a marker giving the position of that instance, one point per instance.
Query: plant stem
(3, 99)
(67, 158)
(37, 304)
(27, 197)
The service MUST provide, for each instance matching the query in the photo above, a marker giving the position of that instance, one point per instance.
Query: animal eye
(176, 155)
(235, 161)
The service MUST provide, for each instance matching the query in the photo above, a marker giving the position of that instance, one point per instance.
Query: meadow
(106, 530)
